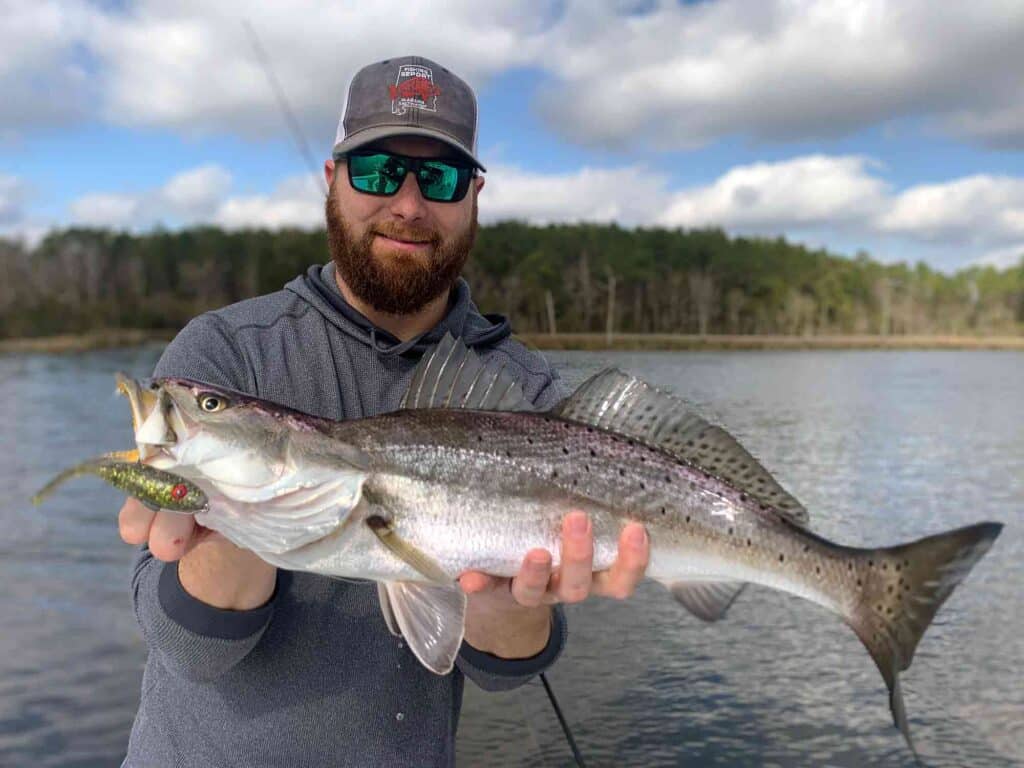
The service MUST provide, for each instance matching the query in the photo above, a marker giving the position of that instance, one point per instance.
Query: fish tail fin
(903, 588)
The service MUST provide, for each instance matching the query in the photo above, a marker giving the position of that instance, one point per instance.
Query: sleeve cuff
(499, 667)
(206, 620)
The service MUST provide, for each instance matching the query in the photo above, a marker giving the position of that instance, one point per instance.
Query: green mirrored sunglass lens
(439, 180)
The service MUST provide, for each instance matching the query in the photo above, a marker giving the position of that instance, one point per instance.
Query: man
(249, 665)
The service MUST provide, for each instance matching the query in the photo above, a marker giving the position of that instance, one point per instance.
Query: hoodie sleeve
(493, 673)
(195, 639)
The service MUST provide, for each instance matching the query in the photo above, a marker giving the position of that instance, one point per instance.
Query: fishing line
(307, 155)
(282, 103)
(561, 719)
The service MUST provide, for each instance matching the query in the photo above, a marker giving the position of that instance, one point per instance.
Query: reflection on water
(880, 446)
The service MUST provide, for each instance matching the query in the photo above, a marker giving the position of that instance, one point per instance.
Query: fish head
(224, 435)
(274, 477)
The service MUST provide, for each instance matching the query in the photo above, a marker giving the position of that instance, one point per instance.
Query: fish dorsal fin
(453, 376)
(618, 402)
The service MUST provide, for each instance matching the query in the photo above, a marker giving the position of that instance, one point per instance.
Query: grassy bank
(658, 341)
(118, 337)
(106, 339)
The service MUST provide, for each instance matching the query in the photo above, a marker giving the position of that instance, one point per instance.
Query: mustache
(412, 234)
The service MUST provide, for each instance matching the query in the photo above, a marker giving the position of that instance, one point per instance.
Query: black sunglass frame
(412, 165)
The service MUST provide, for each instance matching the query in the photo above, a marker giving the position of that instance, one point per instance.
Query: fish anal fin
(621, 403)
(432, 620)
(707, 600)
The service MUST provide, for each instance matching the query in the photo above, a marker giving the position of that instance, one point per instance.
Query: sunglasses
(382, 173)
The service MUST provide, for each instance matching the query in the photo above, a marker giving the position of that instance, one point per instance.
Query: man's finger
(474, 581)
(170, 534)
(529, 586)
(621, 580)
(571, 583)
(134, 520)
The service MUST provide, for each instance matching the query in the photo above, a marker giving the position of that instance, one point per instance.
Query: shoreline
(118, 337)
(693, 342)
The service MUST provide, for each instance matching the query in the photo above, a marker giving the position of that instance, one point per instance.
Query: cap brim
(378, 132)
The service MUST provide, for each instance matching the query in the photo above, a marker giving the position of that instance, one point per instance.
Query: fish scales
(438, 471)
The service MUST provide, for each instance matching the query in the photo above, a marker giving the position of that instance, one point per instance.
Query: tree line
(564, 278)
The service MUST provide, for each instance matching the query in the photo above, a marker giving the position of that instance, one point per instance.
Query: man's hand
(510, 617)
(211, 568)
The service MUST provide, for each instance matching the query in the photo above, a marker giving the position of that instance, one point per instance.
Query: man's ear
(329, 169)
(479, 181)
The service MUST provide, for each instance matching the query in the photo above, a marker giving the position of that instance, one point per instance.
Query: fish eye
(212, 403)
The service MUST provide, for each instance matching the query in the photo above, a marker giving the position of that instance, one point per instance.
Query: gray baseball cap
(409, 96)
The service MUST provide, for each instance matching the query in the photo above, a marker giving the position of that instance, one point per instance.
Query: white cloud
(815, 199)
(192, 194)
(684, 75)
(117, 211)
(979, 209)
(204, 74)
(45, 68)
(296, 202)
(659, 73)
(1003, 258)
(813, 191)
(13, 193)
(625, 195)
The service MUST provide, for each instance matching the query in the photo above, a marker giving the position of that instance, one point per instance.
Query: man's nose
(407, 203)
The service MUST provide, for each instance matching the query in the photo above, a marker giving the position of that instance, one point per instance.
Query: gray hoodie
(312, 678)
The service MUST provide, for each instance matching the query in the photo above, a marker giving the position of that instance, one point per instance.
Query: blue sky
(871, 125)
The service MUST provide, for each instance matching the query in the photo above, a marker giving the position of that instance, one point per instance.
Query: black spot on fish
(565, 450)
(730, 531)
(663, 510)
(554, 473)
(743, 497)
(871, 563)
(782, 558)
(529, 440)
(817, 569)
(622, 473)
(593, 452)
(643, 487)
(749, 543)
(687, 518)
(889, 589)
(668, 478)
(860, 583)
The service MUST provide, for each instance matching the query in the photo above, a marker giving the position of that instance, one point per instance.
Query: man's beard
(398, 283)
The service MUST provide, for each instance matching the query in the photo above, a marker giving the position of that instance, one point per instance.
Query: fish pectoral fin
(707, 600)
(421, 562)
(432, 620)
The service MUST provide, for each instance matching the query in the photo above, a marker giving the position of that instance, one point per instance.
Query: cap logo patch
(414, 87)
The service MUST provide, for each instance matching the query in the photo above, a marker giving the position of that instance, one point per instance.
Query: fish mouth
(153, 412)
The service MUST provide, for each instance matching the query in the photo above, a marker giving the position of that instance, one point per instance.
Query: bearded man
(250, 665)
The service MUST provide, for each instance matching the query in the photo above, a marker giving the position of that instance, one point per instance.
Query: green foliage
(642, 280)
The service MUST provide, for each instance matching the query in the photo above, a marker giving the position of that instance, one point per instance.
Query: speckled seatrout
(153, 487)
(465, 476)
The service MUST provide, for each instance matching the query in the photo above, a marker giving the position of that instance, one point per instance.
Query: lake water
(880, 446)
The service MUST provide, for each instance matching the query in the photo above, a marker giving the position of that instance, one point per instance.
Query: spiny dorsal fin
(453, 376)
(622, 403)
